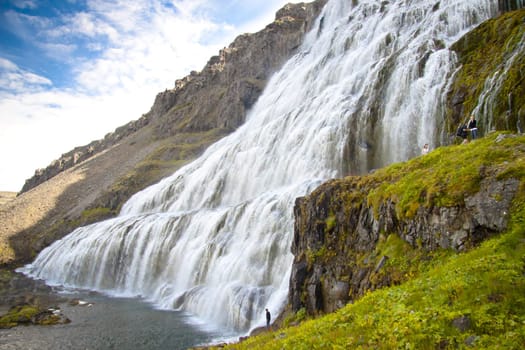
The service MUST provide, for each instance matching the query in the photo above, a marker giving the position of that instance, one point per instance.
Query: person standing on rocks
(425, 149)
(268, 318)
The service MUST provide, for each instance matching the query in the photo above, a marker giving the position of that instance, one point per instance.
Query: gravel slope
(65, 196)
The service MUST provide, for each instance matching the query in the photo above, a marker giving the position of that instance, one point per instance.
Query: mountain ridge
(91, 182)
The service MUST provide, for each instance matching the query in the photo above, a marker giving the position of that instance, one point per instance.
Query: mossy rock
(31, 314)
(491, 54)
(438, 299)
(22, 314)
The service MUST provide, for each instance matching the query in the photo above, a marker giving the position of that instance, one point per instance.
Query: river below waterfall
(105, 323)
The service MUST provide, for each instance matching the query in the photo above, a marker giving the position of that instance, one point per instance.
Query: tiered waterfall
(364, 90)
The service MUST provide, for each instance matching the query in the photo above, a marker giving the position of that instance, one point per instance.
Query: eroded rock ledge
(338, 229)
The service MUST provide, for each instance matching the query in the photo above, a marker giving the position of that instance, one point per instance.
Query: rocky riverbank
(25, 301)
(90, 320)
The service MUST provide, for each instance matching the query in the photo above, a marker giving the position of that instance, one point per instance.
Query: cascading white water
(493, 85)
(214, 238)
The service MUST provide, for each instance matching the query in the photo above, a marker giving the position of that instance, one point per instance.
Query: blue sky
(73, 70)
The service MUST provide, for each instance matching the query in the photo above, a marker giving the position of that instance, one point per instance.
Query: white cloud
(25, 4)
(143, 48)
(59, 51)
(7, 65)
(83, 24)
(14, 79)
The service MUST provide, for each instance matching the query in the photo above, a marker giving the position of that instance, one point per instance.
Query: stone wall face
(331, 235)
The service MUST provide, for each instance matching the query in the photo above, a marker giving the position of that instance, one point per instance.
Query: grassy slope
(483, 289)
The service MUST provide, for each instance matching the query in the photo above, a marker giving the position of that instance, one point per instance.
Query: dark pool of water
(110, 323)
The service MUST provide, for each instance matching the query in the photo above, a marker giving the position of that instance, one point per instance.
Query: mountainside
(90, 183)
(6, 197)
(413, 279)
(217, 97)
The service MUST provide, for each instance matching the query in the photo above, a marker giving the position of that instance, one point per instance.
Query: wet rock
(471, 340)
(31, 314)
(27, 301)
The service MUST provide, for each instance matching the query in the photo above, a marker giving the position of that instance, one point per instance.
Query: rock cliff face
(220, 95)
(340, 227)
(216, 97)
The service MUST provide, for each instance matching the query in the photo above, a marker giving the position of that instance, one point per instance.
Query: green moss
(17, 315)
(51, 320)
(403, 261)
(30, 314)
(295, 318)
(95, 214)
(322, 254)
(444, 177)
(393, 246)
(330, 222)
(488, 51)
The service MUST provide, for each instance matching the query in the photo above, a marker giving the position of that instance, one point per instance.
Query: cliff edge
(362, 233)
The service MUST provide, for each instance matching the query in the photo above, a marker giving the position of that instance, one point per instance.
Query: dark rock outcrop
(339, 227)
(509, 5)
(492, 54)
(231, 82)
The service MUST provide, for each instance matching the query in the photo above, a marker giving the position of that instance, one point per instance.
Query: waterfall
(364, 90)
(493, 86)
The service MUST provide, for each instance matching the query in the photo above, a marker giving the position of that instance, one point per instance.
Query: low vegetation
(442, 299)
(444, 177)
(473, 300)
